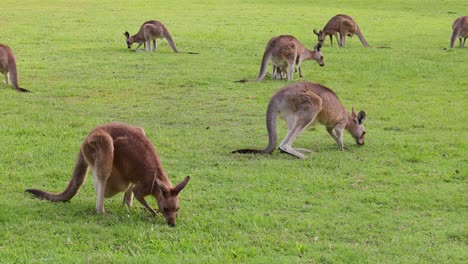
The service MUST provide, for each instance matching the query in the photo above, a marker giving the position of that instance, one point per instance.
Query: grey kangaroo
(284, 51)
(343, 25)
(460, 31)
(149, 32)
(122, 159)
(304, 104)
(8, 67)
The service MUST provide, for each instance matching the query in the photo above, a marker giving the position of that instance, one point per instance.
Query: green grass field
(401, 198)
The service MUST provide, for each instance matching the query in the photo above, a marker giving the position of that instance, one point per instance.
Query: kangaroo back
(78, 177)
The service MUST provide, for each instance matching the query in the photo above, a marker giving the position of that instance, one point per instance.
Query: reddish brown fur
(122, 159)
(343, 25)
(304, 104)
(8, 67)
(150, 31)
(284, 51)
(460, 31)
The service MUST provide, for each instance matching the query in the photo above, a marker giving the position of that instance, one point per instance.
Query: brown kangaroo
(284, 51)
(345, 26)
(304, 104)
(122, 159)
(460, 31)
(150, 31)
(8, 67)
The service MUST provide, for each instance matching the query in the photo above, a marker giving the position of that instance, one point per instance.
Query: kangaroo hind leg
(296, 125)
(297, 122)
(128, 197)
(98, 150)
(148, 45)
(308, 106)
(290, 70)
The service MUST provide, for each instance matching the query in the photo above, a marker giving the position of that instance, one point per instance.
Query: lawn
(400, 198)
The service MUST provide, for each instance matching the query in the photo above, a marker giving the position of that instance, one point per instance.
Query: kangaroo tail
(189, 52)
(361, 38)
(22, 90)
(12, 70)
(271, 128)
(243, 81)
(168, 36)
(454, 38)
(79, 175)
(263, 67)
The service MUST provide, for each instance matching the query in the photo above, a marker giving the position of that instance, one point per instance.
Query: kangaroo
(304, 104)
(122, 159)
(279, 73)
(345, 26)
(150, 31)
(460, 31)
(8, 67)
(284, 51)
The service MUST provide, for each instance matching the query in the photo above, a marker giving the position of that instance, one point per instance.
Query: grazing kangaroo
(8, 67)
(460, 31)
(304, 104)
(284, 51)
(122, 159)
(343, 25)
(149, 32)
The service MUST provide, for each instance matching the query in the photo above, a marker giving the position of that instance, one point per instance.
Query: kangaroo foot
(292, 152)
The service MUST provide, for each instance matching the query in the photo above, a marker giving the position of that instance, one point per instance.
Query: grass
(401, 198)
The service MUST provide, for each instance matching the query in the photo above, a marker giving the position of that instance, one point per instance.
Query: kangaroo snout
(171, 221)
(322, 64)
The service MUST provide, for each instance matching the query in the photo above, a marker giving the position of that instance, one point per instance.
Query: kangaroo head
(355, 126)
(317, 55)
(168, 203)
(129, 39)
(320, 35)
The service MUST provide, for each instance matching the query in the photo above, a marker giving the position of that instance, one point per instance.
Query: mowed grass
(401, 198)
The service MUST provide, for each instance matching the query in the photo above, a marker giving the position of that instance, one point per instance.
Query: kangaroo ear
(164, 190)
(316, 33)
(126, 34)
(361, 116)
(178, 188)
(319, 46)
(353, 114)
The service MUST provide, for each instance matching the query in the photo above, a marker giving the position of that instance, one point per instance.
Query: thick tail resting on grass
(244, 81)
(189, 52)
(272, 134)
(79, 175)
